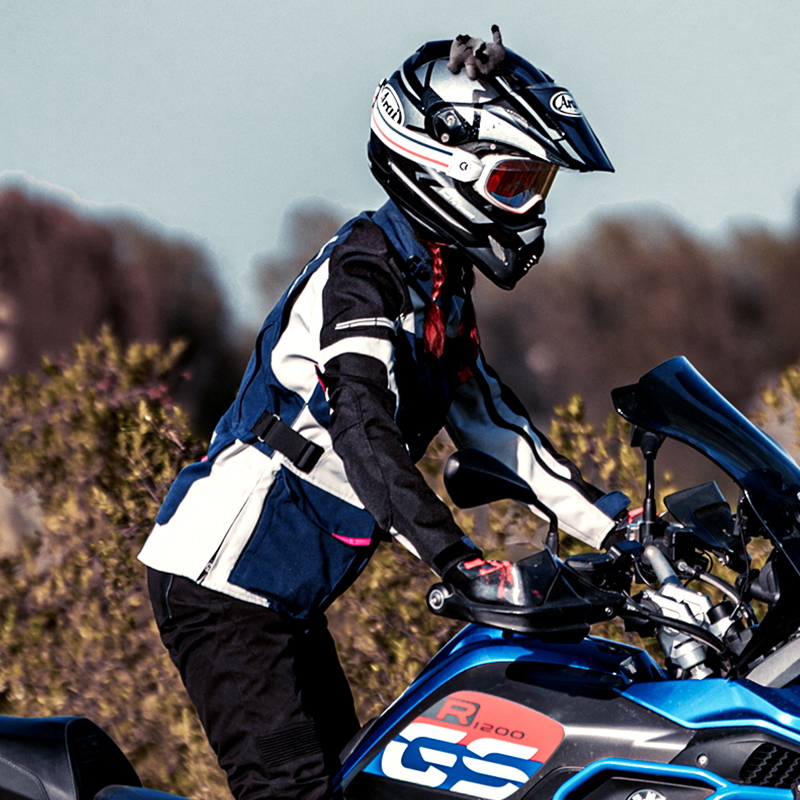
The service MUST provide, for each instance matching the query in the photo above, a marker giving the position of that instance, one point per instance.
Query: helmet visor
(515, 184)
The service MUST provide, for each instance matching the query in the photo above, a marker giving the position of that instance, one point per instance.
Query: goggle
(514, 184)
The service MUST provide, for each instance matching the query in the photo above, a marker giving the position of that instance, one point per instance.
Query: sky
(208, 119)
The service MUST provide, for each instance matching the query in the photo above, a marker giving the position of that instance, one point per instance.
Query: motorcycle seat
(58, 757)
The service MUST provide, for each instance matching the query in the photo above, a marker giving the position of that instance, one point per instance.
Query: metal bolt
(436, 598)
(450, 120)
(628, 664)
(702, 760)
(445, 138)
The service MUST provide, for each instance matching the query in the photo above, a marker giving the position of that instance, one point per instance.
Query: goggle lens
(514, 182)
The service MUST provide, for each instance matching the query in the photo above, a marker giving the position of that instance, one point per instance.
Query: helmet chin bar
(505, 266)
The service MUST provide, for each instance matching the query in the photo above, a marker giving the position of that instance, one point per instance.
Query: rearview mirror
(474, 478)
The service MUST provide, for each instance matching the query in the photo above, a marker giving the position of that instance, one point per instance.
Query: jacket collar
(417, 262)
(400, 233)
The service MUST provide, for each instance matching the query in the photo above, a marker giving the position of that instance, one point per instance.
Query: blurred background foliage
(94, 425)
(64, 275)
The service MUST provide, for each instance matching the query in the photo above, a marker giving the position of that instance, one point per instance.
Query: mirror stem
(551, 541)
(649, 444)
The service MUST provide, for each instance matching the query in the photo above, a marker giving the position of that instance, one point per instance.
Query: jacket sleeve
(363, 297)
(487, 415)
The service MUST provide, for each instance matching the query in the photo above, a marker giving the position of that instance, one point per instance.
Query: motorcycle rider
(368, 354)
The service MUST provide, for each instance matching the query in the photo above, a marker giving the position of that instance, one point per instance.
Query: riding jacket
(314, 462)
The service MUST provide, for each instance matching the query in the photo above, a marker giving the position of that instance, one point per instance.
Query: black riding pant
(270, 692)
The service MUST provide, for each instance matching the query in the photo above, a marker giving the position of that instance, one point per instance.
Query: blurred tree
(306, 228)
(62, 276)
(636, 291)
(166, 291)
(54, 274)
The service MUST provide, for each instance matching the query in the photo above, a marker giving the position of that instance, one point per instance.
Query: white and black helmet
(470, 159)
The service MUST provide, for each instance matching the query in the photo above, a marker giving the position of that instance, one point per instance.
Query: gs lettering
(430, 755)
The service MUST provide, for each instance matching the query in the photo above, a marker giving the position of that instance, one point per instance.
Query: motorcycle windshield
(674, 399)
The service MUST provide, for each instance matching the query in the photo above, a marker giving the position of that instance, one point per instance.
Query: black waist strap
(271, 430)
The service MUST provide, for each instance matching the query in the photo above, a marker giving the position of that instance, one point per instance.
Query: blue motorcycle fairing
(721, 789)
(590, 653)
(476, 646)
(675, 400)
(721, 703)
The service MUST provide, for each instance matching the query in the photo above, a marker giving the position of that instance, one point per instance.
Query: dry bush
(100, 442)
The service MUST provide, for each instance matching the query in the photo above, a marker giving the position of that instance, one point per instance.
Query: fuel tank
(497, 714)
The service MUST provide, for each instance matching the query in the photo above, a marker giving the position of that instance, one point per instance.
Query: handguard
(551, 601)
(488, 581)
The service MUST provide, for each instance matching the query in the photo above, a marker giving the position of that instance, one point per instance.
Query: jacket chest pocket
(306, 549)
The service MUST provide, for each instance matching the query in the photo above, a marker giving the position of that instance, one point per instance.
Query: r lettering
(463, 711)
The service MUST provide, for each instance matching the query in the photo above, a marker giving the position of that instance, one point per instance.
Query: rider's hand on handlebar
(489, 581)
(627, 524)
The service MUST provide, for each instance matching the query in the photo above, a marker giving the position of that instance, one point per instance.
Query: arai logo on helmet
(390, 103)
(564, 103)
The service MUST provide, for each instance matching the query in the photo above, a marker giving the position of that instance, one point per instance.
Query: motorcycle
(523, 702)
